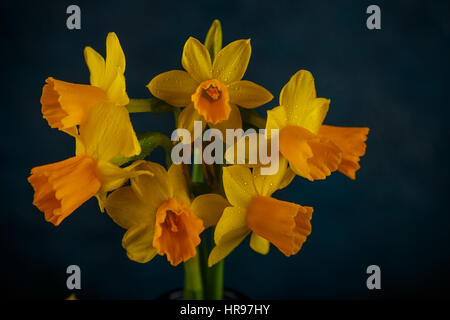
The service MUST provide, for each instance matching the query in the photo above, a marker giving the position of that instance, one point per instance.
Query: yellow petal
(259, 244)
(213, 41)
(234, 121)
(312, 116)
(155, 189)
(238, 185)
(196, 60)
(117, 90)
(107, 132)
(138, 241)
(265, 185)
(96, 65)
(248, 94)
(209, 208)
(126, 208)
(178, 183)
(276, 119)
(303, 109)
(287, 179)
(113, 177)
(174, 87)
(229, 233)
(299, 90)
(187, 117)
(231, 62)
(115, 59)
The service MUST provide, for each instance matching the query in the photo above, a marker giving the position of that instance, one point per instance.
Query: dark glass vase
(228, 294)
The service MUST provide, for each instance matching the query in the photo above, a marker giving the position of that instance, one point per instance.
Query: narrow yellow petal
(231, 62)
(209, 208)
(174, 87)
(276, 119)
(312, 115)
(155, 189)
(259, 244)
(117, 90)
(126, 209)
(96, 65)
(108, 132)
(221, 251)
(138, 241)
(113, 177)
(115, 59)
(196, 60)
(229, 233)
(303, 109)
(248, 94)
(186, 120)
(287, 179)
(238, 185)
(213, 40)
(178, 184)
(265, 185)
(299, 90)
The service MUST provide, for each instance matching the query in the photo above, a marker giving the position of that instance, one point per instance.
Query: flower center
(212, 101)
(172, 220)
(213, 92)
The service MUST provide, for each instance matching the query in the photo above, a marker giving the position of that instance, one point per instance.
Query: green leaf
(153, 105)
(213, 41)
(149, 141)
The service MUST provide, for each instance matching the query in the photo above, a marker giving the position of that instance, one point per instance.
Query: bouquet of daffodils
(217, 183)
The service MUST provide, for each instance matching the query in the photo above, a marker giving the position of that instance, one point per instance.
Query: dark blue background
(393, 80)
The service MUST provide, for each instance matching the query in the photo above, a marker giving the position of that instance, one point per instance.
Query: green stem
(215, 281)
(153, 105)
(253, 118)
(203, 254)
(193, 277)
(193, 285)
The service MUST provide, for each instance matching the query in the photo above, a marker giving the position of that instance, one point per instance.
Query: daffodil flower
(210, 90)
(95, 115)
(284, 224)
(312, 149)
(159, 215)
(66, 105)
(61, 187)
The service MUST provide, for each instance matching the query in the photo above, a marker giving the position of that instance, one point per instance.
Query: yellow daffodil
(312, 149)
(284, 224)
(210, 90)
(95, 115)
(61, 187)
(66, 105)
(159, 215)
